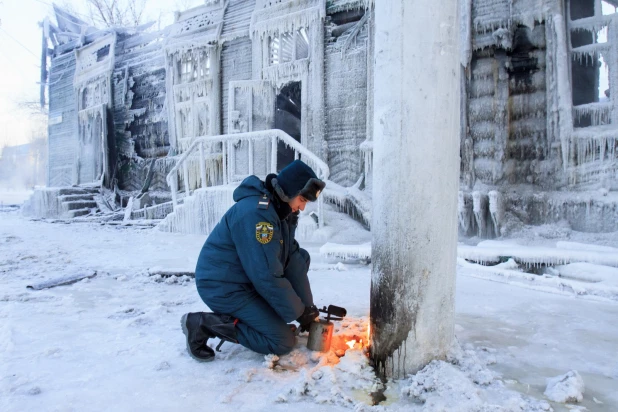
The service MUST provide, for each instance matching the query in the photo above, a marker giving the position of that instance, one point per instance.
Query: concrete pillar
(416, 179)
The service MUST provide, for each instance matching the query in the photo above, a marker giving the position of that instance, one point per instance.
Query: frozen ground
(114, 342)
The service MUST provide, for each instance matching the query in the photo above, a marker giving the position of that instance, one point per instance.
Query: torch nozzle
(332, 310)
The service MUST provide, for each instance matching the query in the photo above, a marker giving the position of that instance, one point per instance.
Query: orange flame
(351, 343)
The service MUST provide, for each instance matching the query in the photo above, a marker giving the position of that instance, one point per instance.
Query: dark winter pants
(259, 328)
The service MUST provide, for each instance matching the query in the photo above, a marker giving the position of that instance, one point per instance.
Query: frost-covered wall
(345, 78)
(140, 121)
(288, 46)
(62, 141)
(534, 116)
(236, 45)
(234, 66)
(506, 114)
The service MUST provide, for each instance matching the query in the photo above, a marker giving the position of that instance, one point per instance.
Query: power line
(18, 42)
(13, 60)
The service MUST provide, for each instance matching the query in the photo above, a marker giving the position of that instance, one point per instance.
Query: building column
(415, 183)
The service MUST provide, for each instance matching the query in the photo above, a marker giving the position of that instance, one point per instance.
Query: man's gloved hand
(308, 316)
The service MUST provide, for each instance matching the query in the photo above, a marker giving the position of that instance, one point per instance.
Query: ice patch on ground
(565, 388)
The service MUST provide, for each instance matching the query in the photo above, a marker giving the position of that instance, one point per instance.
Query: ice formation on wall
(200, 212)
(525, 118)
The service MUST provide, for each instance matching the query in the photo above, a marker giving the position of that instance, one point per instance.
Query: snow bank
(463, 383)
(588, 272)
(509, 272)
(565, 388)
(441, 387)
(362, 251)
(492, 251)
(585, 246)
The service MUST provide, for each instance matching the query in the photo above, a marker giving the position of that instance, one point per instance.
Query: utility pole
(415, 183)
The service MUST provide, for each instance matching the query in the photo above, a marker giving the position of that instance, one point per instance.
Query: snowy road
(114, 342)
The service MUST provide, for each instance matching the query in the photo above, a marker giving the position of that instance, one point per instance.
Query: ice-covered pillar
(415, 187)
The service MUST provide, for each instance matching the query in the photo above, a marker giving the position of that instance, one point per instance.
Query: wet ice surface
(114, 341)
(534, 336)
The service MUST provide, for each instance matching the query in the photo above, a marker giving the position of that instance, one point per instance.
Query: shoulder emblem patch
(264, 202)
(264, 232)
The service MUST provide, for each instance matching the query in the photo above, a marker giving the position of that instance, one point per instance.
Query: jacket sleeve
(261, 263)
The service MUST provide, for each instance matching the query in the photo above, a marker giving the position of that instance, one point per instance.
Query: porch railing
(229, 143)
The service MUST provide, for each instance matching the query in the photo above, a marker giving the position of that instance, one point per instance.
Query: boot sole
(183, 325)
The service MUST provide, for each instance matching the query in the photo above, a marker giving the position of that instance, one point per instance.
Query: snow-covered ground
(113, 342)
(13, 197)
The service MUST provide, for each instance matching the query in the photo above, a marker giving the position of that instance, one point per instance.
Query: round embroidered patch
(264, 232)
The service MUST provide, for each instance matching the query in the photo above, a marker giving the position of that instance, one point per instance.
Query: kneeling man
(251, 271)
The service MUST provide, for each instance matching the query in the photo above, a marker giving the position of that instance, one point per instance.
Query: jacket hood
(251, 186)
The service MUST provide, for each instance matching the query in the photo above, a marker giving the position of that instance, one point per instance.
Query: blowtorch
(321, 330)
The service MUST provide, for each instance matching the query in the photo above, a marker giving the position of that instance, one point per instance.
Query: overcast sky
(20, 51)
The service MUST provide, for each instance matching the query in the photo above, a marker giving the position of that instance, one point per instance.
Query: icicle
(270, 21)
(201, 212)
(465, 213)
(496, 210)
(43, 203)
(479, 208)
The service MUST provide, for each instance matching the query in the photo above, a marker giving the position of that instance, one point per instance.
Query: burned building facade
(538, 137)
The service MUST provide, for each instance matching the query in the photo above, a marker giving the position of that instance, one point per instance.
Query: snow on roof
(237, 19)
(205, 20)
(67, 22)
(273, 17)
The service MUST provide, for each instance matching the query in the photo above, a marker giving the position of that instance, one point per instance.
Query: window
(289, 46)
(192, 67)
(187, 71)
(608, 8)
(590, 48)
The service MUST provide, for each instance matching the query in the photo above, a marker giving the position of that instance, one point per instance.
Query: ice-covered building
(199, 101)
(539, 122)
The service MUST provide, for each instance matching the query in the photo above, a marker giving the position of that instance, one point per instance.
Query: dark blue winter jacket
(249, 249)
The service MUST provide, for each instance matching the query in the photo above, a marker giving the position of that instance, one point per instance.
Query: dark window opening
(587, 84)
(102, 53)
(580, 9)
(287, 118)
(348, 16)
(344, 21)
(522, 61)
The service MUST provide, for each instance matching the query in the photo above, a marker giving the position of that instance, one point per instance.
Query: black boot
(201, 326)
(197, 336)
(220, 326)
